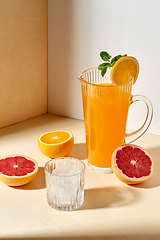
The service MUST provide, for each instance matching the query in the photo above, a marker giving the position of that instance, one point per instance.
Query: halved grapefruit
(17, 170)
(132, 164)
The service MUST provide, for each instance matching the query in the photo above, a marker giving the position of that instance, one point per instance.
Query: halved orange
(124, 70)
(56, 144)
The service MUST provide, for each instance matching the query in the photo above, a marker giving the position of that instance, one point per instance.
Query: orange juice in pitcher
(105, 107)
(105, 114)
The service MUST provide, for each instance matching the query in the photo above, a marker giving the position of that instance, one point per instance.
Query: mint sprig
(108, 62)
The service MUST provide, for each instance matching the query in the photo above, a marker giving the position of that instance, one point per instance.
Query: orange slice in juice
(124, 70)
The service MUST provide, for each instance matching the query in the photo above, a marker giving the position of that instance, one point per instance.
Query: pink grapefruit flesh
(17, 170)
(132, 164)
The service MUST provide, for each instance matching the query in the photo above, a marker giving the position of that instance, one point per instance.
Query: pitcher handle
(130, 137)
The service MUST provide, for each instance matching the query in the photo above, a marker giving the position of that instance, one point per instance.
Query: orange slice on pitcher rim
(124, 70)
(56, 144)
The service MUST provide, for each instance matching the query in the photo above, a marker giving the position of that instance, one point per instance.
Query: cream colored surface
(111, 210)
(23, 60)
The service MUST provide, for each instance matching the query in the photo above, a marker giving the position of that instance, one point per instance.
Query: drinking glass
(65, 178)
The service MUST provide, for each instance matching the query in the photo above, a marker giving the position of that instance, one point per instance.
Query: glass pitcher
(105, 108)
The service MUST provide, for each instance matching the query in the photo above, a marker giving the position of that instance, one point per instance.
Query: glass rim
(52, 160)
(97, 84)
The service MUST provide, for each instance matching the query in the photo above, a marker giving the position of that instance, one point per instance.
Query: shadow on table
(37, 183)
(97, 198)
(78, 151)
(154, 181)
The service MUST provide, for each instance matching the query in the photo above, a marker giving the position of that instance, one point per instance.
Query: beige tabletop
(111, 210)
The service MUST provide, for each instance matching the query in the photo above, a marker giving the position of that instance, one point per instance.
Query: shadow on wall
(60, 48)
(69, 24)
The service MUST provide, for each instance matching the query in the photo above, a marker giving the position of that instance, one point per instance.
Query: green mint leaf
(102, 65)
(114, 60)
(104, 70)
(105, 56)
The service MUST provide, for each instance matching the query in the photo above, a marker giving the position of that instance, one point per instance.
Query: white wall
(80, 29)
